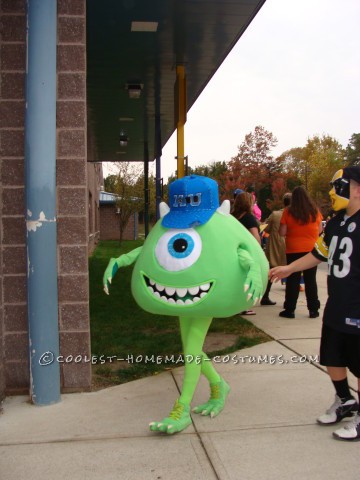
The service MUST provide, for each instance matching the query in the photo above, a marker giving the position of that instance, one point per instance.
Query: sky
(295, 71)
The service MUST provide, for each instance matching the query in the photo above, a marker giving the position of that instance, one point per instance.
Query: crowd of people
(287, 234)
(297, 241)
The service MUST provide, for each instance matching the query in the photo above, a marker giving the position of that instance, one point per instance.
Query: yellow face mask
(340, 191)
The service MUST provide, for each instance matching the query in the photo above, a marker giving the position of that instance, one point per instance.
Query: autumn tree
(352, 151)
(278, 189)
(254, 168)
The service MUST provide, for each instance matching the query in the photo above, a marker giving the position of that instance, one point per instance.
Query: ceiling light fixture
(134, 89)
(123, 139)
(144, 26)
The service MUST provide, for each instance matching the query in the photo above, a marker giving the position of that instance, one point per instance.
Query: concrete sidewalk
(267, 430)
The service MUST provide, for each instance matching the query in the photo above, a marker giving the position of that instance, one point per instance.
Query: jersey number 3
(345, 247)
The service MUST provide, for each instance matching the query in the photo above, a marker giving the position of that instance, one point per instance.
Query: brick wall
(72, 197)
(2, 374)
(13, 251)
(72, 193)
(109, 224)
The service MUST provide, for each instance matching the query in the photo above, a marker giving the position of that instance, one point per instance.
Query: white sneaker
(338, 411)
(351, 431)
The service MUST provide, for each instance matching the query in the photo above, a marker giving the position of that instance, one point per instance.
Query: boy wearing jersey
(339, 245)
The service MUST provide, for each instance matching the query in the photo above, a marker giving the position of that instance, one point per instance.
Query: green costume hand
(116, 263)
(253, 282)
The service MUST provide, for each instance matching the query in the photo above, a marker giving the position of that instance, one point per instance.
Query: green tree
(352, 151)
(140, 187)
(215, 170)
(129, 195)
(110, 183)
(293, 161)
(323, 155)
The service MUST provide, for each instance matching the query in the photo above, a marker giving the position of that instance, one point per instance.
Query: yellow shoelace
(177, 411)
(215, 391)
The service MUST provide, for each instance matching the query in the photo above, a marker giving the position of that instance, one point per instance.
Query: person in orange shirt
(301, 225)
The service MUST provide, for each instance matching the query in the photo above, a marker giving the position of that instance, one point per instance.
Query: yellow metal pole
(180, 108)
(180, 151)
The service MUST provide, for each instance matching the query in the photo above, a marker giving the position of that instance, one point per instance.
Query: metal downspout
(146, 187)
(40, 164)
(158, 179)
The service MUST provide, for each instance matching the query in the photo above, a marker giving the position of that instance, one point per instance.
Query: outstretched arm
(303, 263)
(116, 263)
(253, 282)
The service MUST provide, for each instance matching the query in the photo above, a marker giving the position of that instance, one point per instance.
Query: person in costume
(192, 265)
(275, 246)
(339, 246)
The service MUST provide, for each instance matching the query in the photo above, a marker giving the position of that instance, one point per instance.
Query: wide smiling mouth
(178, 295)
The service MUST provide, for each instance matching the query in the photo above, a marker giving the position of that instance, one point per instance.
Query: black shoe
(313, 314)
(267, 301)
(287, 314)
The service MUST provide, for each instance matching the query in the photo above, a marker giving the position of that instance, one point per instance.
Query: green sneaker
(218, 393)
(178, 419)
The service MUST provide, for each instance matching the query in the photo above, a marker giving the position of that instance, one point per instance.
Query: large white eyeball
(178, 249)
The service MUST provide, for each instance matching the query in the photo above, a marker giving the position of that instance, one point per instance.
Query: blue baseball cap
(238, 191)
(192, 201)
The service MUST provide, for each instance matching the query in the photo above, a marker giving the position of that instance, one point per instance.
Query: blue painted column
(40, 165)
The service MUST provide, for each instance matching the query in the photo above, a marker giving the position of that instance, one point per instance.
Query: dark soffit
(198, 34)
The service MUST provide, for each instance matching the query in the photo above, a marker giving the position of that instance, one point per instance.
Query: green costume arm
(116, 263)
(253, 282)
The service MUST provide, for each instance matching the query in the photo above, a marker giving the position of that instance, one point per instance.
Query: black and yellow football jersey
(339, 246)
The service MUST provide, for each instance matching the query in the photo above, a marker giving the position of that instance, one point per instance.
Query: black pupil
(180, 245)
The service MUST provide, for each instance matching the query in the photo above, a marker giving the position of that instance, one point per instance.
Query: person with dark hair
(242, 211)
(275, 245)
(340, 335)
(301, 225)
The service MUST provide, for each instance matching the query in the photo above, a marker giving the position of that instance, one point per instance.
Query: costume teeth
(179, 296)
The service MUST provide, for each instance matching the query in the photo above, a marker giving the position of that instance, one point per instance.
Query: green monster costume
(197, 263)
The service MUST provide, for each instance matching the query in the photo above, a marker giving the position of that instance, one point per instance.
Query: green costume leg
(193, 333)
(219, 389)
(207, 367)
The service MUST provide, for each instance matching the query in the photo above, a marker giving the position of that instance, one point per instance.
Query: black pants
(292, 286)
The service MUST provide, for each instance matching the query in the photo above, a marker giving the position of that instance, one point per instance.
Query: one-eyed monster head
(189, 265)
